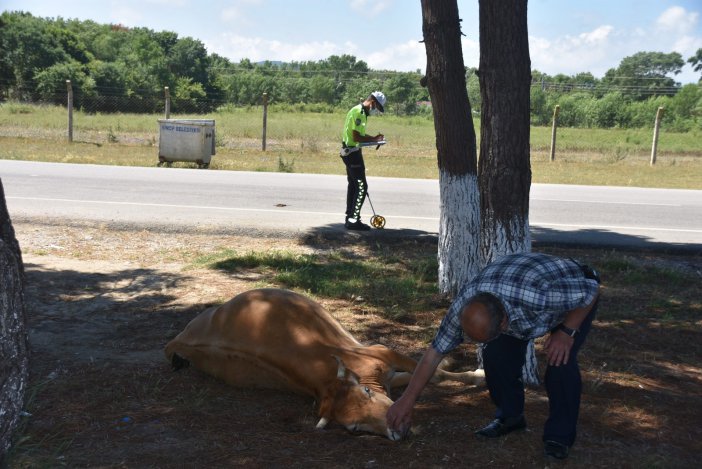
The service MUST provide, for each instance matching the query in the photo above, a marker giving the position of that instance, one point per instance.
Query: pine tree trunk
(504, 168)
(505, 172)
(14, 360)
(459, 228)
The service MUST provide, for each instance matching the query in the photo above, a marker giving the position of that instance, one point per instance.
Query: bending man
(517, 298)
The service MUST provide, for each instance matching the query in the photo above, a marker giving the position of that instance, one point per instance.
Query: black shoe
(500, 427)
(357, 226)
(555, 449)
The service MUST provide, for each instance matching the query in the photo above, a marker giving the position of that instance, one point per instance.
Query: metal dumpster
(186, 140)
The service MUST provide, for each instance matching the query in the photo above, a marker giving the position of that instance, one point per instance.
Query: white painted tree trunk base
(459, 231)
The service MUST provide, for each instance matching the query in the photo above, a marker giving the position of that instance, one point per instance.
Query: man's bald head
(483, 318)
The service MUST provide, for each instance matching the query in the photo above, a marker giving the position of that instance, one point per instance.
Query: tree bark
(504, 171)
(504, 167)
(459, 227)
(14, 359)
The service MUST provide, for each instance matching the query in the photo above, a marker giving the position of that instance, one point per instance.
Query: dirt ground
(102, 303)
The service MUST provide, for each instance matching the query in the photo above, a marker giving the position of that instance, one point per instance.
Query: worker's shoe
(554, 449)
(500, 427)
(357, 225)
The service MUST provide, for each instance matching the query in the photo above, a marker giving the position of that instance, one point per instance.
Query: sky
(565, 36)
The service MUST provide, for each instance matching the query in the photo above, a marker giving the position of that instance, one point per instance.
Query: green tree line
(117, 69)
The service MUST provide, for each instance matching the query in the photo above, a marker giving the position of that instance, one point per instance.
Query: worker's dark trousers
(503, 359)
(357, 185)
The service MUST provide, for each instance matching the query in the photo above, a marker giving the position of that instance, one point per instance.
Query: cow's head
(355, 406)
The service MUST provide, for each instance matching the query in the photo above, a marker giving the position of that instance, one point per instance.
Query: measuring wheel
(377, 221)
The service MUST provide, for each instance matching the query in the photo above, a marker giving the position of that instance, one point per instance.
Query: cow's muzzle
(396, 435)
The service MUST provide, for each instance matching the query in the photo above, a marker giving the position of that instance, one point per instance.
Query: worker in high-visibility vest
(352, 155)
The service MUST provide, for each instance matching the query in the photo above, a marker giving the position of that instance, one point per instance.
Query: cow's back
(266, 337)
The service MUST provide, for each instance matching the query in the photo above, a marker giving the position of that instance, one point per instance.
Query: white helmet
(380, 99)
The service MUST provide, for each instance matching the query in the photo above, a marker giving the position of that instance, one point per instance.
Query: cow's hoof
(178, 362)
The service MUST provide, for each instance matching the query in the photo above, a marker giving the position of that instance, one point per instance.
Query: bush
(611, 110)
(572, 108)
(541, 113)
(643, 113)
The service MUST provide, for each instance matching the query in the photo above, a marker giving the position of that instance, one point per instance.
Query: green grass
(382, 280)
(398, 280)
(659, 292)
(309, 142)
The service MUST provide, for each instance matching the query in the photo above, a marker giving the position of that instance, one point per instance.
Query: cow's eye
(367, 390)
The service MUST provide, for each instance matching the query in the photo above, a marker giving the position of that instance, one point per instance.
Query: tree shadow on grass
(124, 315)
(380, 279)
(541, 236)
(592, 238)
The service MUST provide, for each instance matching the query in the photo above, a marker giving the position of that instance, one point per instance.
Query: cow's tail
(177, 362)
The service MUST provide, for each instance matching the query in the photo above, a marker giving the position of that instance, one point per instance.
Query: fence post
(656, 127)
(168, 102)
(556, 110)
(265, 120)
(69, 88)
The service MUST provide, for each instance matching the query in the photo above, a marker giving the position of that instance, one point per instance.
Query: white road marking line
(197, 207)
(612, 227)
(301, 212)
(604, 202)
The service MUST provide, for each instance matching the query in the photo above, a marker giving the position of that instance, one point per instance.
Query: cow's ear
(344, 373)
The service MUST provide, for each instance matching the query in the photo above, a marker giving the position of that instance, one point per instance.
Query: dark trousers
(503, 359)
(357, 184)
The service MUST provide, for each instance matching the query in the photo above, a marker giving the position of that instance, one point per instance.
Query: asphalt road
(252, 202)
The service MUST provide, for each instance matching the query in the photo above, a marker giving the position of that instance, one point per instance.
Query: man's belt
(346, 151)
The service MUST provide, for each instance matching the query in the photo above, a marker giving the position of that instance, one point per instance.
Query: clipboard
(372, 144)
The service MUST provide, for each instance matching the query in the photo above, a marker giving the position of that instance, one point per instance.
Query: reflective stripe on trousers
(357, 184)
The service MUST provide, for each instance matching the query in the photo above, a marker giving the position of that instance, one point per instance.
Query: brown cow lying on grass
(279, 339)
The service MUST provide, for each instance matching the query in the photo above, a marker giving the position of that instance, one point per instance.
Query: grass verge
(308, 143)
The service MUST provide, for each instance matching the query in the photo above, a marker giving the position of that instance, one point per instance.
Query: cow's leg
(399, 378)
(402, 378)
(404, 366)
(468, 377)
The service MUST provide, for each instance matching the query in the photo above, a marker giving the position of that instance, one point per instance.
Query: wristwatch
(568, 330)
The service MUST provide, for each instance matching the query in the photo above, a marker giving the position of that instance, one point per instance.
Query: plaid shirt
(537, 291)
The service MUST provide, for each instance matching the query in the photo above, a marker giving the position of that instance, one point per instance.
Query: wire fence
(277, 83)
(142, 103)
(112, 100)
